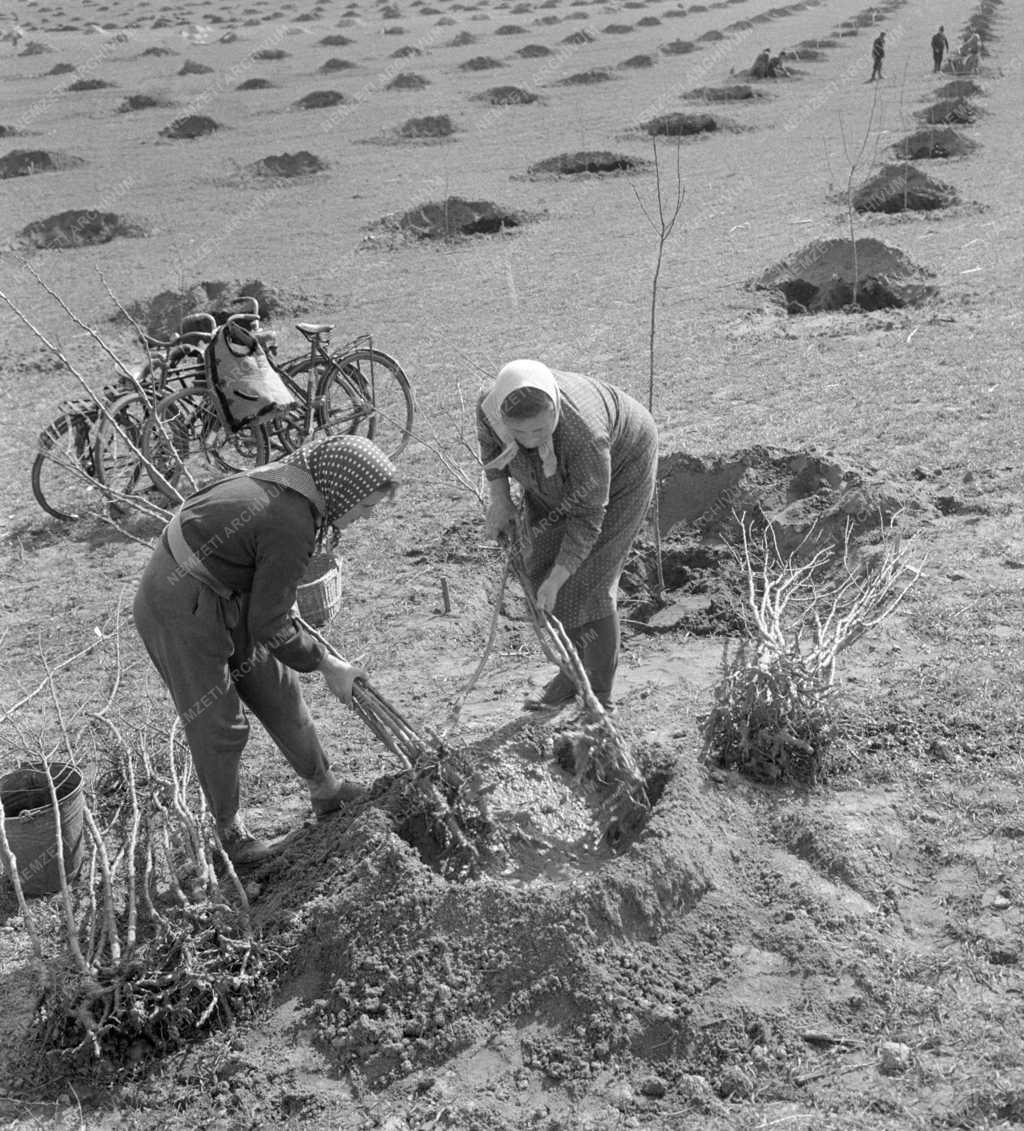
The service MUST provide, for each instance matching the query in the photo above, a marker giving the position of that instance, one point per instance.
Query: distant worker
(970, 52)
(762, 65)
(940, 48)
(877, 55)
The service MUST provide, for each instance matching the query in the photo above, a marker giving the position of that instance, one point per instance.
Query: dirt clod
(585, 161)
(299, 164)
(928, 144)
(78, 227)
(834, 274)
(25, 162)
(190, 127)
(902, 188)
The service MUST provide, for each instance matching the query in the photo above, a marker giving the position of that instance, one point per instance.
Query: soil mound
(678, 47)
(157, 52)
(11, 131)
(959, 89)
(78, 227)
(448, 219)
(320, 99)
(62, 69)
(534, 51)
(739, 92)
(405, 52)
(949, 112)
(579, 38)
(924, 145)
(648, 21)
(335, 41)
(190, 127)
(255, 84)
(510, 29)
(408, 81)
(681, 125)
(25, 162)
(142, 102)
(586, 78)
(299, 164)
(902, 188)
(271, 54)
(507, 96)
(821, 276)
(430, 126)
(480, 63)
(336, 65)
(191, 67)
(637, 62)
(161, 315)
(463, 39)
(617, 29)
(34, 47)
(585, 161)
(91, 84)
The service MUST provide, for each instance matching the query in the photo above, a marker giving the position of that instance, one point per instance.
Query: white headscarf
(521, 374)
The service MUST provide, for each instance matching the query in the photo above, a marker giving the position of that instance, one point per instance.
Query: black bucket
(31, 824)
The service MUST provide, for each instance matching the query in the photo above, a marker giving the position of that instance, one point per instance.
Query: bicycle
(86, 454)
(359, 387)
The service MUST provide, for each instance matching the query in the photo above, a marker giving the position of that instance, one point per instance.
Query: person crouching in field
(214, 612)
(585, 454)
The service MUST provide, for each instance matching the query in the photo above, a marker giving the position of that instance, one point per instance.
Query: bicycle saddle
(314, 329)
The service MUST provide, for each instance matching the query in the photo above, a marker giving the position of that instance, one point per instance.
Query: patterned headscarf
(521, 374)
(345, 469)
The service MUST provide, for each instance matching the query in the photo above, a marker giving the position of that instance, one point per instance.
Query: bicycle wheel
(367, 385)
(188, 446)
(62, 472)
(115, 451)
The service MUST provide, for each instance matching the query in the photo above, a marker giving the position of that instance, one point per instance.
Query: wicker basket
(319, 593)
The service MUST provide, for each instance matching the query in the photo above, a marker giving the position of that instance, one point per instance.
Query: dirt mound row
(78, 227)
(902, 188)
(586, 161)
(835, 274)
(25, 162)
(927, 144)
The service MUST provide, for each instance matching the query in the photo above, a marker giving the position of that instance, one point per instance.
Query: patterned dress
(586, 515)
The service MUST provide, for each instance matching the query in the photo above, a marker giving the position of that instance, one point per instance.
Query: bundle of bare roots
(773, 711)
(160, 948)
(595, 753)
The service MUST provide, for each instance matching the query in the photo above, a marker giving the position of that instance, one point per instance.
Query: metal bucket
(31, 824)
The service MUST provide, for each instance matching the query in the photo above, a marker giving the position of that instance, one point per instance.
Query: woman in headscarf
(585, 454)
(214, 609)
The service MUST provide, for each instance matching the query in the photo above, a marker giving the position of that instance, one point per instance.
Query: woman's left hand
(547, 591)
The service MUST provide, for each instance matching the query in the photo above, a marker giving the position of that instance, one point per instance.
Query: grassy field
(745, 963)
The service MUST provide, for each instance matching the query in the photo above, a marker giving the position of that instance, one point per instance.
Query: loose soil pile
(736, 93)
(78, 227)
(299, 164)
(959, 89)
(142, 102)
(335, 41)
(925, 145)
(585, 161)
(320, 99)
(191, 67)
(454, 217)
(25, 162)
(190, 127)
(255, 84)
(533, 51)
(586, 78)
(678, 47)
(681, 125)
(821, 276)
(480, 63)
(91, 84)
(636, 62)
(336, 65)
(507, 96)
(902, 188)
(62, 69)
(430, 126)
(161, 315)
(949, 111)
(408, 81)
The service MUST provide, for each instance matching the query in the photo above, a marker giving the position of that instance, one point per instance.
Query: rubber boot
(328, 795)
(598, 645)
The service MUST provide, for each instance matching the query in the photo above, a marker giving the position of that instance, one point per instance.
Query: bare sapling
(663, 224)
(854, 164)
(772, 714)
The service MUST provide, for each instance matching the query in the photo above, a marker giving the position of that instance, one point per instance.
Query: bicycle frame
(308, 397)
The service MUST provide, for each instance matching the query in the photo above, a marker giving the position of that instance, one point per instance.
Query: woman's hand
(547, 591)
(340, 676)
(501, 517)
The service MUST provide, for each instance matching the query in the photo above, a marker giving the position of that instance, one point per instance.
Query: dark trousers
(199, 644)
(876, 71)
(937, 56)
